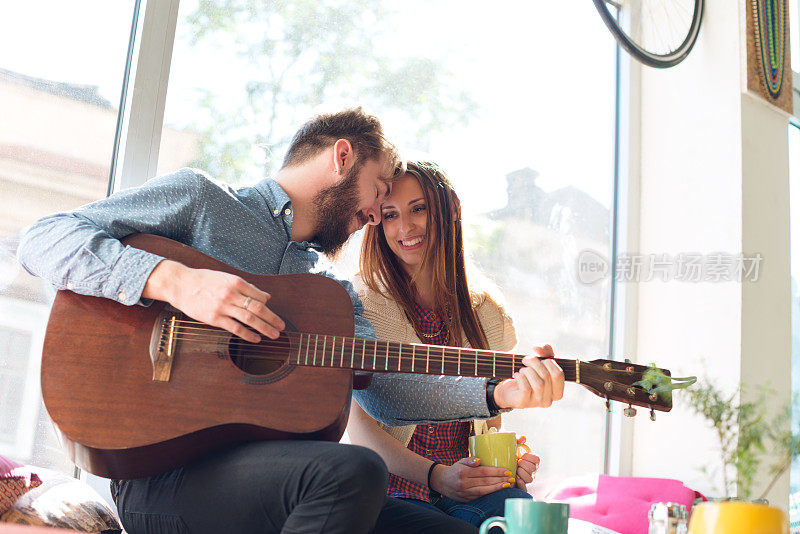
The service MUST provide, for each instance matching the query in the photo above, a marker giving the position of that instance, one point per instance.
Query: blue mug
(524, 516)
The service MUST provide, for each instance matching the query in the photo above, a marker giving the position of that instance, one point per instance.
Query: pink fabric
(7, 466)
(620, 503)
(15, 481)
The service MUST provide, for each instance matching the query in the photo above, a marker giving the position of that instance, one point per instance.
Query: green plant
(746, 430)
(785, 435)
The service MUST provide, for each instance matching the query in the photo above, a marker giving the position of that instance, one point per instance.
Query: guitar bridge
(162, 345)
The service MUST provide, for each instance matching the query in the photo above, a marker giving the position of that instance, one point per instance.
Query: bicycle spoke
(686, 12)
(671, 45)
(656, 31)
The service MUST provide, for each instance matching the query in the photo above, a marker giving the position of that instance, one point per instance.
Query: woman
(414, 289)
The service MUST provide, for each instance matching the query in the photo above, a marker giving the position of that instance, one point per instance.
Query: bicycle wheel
(659, 33)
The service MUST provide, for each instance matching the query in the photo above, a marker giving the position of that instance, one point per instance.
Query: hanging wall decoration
(769, 71)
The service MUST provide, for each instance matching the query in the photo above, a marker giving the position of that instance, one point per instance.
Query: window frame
(623, 298)
(141, 110)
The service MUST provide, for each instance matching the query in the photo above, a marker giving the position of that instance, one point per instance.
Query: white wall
(766, 319)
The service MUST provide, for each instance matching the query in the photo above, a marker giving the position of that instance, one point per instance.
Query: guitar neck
(318, 350)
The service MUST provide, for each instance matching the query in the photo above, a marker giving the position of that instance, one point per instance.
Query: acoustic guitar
(134, 391)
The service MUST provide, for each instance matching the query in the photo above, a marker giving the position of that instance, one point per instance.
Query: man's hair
(364, 132)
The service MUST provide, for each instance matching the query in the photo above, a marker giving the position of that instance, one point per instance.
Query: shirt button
(276, 212)
(287, 211)
(430, 429)
(122, 296)
(427, 452)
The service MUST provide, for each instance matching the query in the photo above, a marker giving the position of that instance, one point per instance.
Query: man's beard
(336, 207)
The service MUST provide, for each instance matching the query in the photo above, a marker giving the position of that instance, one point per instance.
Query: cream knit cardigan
(391, 324)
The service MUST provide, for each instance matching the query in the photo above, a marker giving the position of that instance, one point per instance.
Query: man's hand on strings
(215, 298)
(538, 384)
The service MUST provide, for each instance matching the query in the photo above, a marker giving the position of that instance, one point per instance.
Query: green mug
(524, 516)
(497, 449)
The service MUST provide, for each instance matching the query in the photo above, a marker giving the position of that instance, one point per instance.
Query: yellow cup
(737, 518)
(497, 449)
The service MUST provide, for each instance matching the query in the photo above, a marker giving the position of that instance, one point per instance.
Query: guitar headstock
(629, 383)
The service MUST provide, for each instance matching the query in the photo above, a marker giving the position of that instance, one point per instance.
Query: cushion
(15, 481)
(63, 501)
(620, 503)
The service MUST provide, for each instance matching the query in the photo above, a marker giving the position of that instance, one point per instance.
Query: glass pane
(518, 110)
(59, 91)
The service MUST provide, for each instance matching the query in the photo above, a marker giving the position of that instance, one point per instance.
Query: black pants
(276, 486)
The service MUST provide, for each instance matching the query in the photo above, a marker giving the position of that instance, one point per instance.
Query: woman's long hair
(444, 254)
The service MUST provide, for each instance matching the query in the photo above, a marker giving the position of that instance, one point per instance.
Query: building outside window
(59, 93)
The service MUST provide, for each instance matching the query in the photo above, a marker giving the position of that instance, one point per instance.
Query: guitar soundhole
(259, 359)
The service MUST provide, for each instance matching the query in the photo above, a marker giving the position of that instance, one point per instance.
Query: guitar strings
(281, 343)
(334, 353)
(487, 355)
(213, 332)
(213, 335)
(268, 354)
(349, 360)
(451, 354)
(434, 364)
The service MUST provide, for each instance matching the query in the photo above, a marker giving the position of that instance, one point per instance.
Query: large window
(60, 80)
(519, 113)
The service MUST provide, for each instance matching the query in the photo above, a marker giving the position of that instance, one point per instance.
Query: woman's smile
(412, 243)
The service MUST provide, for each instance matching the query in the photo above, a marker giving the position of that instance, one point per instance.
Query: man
(337, 171)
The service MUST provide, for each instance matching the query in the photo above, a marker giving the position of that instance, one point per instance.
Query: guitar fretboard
(320, 350)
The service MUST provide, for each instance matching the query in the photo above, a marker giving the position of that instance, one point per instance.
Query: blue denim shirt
(248, 228)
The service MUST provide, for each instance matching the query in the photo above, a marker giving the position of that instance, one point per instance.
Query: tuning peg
(628, 360)
(608, 404)
(652, 414)
(630, 411)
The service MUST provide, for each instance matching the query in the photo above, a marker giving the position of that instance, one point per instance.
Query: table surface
(576, 526)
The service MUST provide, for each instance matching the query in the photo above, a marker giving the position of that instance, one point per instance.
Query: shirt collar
(276, 198)
(279, 205)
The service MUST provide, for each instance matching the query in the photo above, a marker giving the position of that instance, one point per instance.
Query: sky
(542, 73)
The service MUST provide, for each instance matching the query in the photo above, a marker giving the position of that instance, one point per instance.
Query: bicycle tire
(660, 61)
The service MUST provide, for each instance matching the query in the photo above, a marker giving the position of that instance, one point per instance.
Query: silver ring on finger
(247, 302)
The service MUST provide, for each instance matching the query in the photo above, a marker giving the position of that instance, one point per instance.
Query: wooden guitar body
(118, 422)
